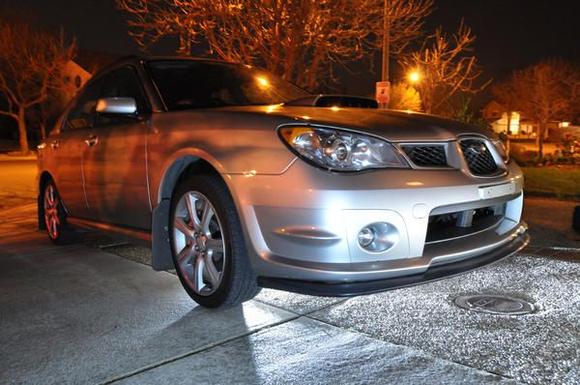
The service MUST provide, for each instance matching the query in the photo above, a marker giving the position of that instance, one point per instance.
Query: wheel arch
(178, 169)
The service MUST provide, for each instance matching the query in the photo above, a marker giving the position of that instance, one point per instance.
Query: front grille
(426, 155)
(479, 160)
(449, 226)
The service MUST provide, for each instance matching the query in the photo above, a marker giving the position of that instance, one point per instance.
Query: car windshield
(188, 84)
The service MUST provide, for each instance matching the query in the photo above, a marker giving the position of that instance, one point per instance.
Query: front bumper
(435, 272)
(301, 227)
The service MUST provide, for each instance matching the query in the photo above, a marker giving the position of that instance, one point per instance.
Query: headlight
(500, 147)
(339, 150)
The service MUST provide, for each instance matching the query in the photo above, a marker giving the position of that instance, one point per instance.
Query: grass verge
(556, 181)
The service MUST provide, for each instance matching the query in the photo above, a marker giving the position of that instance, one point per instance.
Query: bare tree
(544, 92)
(30, 67)
(300, 40)
(448, 67)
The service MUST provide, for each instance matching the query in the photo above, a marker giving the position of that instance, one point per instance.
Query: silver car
(240, 180)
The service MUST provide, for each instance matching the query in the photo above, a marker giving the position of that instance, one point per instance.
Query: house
(520, 126)
(74, 77)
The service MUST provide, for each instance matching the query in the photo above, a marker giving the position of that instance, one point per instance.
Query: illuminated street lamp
(414, 77)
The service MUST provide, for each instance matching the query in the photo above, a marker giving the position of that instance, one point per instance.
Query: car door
(68, 147)
(115, 159)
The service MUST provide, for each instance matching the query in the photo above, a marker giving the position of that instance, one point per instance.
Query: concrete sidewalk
(77, 314)
(74, 314)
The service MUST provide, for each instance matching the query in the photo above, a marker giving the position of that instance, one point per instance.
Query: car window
(82, 113)
(187, 84)
(122, 82)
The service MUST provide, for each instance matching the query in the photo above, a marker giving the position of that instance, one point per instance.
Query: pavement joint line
(407, 346)
(558, 248)
(113, 245)
(195, 351)
(277, 306)
(341, 300)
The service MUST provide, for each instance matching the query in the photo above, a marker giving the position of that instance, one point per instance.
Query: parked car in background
(240, 180)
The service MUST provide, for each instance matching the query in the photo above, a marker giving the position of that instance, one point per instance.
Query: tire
(207, 246)
(54, 216)
(576, 219)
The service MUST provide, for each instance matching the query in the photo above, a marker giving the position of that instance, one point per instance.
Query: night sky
(510, 33)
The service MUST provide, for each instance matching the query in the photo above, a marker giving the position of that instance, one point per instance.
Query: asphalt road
(79, 314)
(17, 182)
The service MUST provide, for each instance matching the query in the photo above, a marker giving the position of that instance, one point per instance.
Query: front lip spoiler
(434, 273)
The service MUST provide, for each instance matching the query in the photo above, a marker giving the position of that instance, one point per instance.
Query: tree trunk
(540, 140)
(22, 131)
(42, 130)
(426, 94)
(508, 133)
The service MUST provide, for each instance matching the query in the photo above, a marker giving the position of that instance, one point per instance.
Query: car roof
(136, 59)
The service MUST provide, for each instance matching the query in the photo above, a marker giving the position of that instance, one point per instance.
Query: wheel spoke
(198, 268)
(48, 221)
(184, 256)
(212, 274)
(54, 230)
(190, 205)
(51, 195)
(182, 227)
(206, 218)
(48, 195)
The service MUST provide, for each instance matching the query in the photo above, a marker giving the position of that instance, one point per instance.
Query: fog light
(365, 237)
(378, 237)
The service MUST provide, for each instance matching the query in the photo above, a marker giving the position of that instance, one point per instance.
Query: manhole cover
(494, 304)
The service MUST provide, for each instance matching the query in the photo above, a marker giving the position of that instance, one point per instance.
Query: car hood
(389, 124)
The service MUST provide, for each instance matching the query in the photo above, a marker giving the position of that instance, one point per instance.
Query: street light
(414, 77)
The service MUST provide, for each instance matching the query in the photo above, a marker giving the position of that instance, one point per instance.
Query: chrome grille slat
(478, 157)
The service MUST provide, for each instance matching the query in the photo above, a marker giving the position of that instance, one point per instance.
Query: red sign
(383, 92)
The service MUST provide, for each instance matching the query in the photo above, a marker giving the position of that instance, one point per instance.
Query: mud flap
(161, 258)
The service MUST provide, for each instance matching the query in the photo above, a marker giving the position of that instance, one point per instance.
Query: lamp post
(386, 42)
(383, 87)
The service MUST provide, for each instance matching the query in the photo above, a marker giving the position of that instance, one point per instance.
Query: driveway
(79, 314)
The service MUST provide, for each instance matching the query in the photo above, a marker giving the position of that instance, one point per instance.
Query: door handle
(92, 140)
(54, 144)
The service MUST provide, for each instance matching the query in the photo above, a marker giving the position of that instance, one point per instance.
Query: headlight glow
(339, 150)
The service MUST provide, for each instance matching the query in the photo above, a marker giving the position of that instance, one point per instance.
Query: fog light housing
(365, 237)
(378, 237)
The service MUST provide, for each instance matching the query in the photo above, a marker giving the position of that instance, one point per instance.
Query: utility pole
(386, 41)
(383, 88)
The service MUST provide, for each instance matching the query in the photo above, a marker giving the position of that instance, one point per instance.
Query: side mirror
(117, 106)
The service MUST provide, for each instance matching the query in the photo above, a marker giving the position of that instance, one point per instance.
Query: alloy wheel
(51, 218)
(199, 243)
